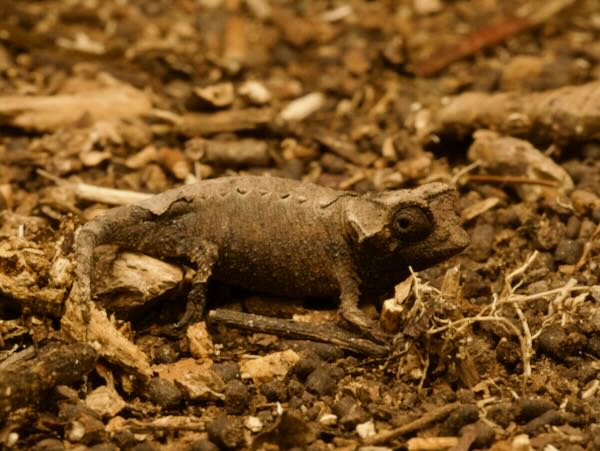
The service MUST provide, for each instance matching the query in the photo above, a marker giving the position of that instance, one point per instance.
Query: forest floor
(103, 102)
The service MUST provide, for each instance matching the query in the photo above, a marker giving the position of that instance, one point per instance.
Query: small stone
(124, 439)
(568, 251)
(255, 92)
(482, 239)
(164, 393)
(166, 353)
(321, 382)
(295, 388)
(507, 353)
(553, 342)
(573, 227)
(104, 447)
(593, 345)
(254, 424)
(226, 432)
(204, 445)
(201, 344)
(236, 397)
(349, 412)
(584, 201)
(144, 446)
(501, 414)
(227, 370)
(274, 391)
(366, 429)
(269, 367)
(528, 409)
(49, 444)
(305, 366)
(425, 7)
(328, 419)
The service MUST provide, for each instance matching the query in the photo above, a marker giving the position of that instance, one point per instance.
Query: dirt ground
(103, 102)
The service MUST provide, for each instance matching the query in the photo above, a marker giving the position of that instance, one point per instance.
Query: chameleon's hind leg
(204, 255)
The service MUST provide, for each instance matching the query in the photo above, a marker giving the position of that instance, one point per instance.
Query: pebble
(204, 445)
(507, 353)
(104, 447)
(226, 433)
(166, 353)
(593, 345)
(501, 414)
(236, 397)
(482, 239)
(164, 393)
(528, 409)
(328, 419)
(144, 446)
(568, 251)
(124, 439)
(227, 370)
(49, 444)
(295, 388)
(349, 412)
(555, 342)
(366, 429)
(254, 424)
(305, 366)
(573, 227)
(321, 382)
(274, 391)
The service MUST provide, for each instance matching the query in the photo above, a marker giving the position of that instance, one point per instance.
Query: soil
(495, 348)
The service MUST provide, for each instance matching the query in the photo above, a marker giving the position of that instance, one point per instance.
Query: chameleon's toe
(377, 334)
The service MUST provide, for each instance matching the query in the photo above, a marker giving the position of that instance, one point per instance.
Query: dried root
(427, 315)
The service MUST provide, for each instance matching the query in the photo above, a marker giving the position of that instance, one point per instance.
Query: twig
(420, 423)
(510, 179)
(587, 248)
(488, 36)
(293, 329)
(93, 193)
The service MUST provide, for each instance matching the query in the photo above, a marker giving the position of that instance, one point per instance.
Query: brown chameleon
(284, 237)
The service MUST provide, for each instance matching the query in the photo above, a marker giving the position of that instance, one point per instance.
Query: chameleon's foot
(365, 326)
(194, 309)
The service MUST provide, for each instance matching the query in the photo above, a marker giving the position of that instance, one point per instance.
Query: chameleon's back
(273, 235)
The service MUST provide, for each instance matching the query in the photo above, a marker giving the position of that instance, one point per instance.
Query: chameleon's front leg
(204, 255)
(349, 310)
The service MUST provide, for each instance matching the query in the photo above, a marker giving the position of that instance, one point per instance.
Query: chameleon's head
(397, 229)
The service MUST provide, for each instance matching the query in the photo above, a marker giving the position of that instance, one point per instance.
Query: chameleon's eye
(412, 224)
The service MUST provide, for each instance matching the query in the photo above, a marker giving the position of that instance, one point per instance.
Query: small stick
(488, 36)
(294, 329)
(419, 423)
(93, 193)
(27, 382)
(512, 179)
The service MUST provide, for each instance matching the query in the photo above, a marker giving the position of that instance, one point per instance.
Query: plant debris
(108, 104)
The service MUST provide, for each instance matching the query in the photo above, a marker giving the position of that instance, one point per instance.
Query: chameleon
(283, 237)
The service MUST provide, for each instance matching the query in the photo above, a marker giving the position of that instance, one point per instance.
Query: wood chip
(200, 124)
(303, 107)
